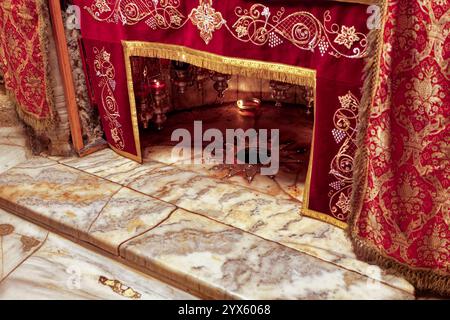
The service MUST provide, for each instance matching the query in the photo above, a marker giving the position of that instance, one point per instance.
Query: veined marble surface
(62, 197)
(13, 136)
(126, 215)
(109, 165)
(259, 213)
(13, 140)
(237, 264)
(62, 270)
(11, 156)
(284, 186)
(18, 240)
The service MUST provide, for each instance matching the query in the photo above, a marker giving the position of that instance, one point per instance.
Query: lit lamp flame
(248, 107)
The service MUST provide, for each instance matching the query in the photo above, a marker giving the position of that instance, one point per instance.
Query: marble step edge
(185, 283)
(80, 235)
(296, 248)
(161, 271)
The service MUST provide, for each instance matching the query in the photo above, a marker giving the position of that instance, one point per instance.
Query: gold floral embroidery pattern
(162, 14)
(102, 6)
(347, 37)
(302, 29)
(256, 25)
(119, 288)
(344, 133)
(23, 60)
(105, 71)
(206, 19)
(425, 93)
(402, 218)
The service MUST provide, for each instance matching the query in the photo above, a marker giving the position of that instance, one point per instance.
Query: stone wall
(92, 131)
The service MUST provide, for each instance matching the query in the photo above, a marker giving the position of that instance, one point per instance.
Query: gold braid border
(424, 280)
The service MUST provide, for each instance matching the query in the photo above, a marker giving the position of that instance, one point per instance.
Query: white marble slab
(62, 270)
(127, 215)
(109, 165)
(18, 240)
(261, 214)
(228, 262)
(56, 195)
(11, 156)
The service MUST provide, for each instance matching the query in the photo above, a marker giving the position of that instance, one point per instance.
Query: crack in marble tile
(126, 215)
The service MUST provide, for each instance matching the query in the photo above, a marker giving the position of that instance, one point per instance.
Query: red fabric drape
(405, 216)
(23, 59)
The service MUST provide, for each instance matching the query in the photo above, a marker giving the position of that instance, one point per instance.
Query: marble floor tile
(165, 183)
(18, 240)
(234, 264)
(281, 188)
(163, 154)
(292, 183)
(126, 215)
(13, 136)
(260, 183)
(64, 198)
(62, 270)
(326, 242)
(261, 214)
(109, 165)
(11, 156)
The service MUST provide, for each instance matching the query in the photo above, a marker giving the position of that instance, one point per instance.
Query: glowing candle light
(248, 107)
(157, 85)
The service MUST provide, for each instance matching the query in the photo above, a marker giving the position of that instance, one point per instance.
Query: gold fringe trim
(423, 280)
(245, 67)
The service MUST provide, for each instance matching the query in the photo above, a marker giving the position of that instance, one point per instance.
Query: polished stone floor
(38, 264)
(175, 223)
(216, 239)
(295, 144)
